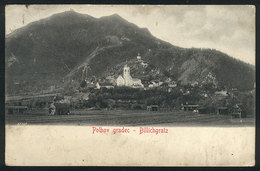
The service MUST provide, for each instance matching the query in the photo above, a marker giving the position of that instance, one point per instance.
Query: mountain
(59, 48)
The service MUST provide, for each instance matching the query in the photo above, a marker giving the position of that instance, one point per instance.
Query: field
(127, 118)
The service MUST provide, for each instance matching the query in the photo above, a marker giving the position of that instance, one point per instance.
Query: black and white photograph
(132, 71)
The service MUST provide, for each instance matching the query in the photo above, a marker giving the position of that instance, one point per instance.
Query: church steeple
(127, 75)
(138, 56)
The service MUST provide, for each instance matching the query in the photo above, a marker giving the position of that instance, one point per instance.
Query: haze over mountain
(58, 48)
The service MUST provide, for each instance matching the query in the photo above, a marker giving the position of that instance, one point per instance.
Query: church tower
(127, 75)
(139, 57)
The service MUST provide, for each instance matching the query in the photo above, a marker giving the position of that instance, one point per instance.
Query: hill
(55, 51)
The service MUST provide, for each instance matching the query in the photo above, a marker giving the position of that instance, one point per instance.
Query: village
(125, 92)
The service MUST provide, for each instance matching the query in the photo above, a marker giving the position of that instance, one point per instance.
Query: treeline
(111, 98)
(130, 98)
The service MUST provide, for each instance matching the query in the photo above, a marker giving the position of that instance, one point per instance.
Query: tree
(83, 84)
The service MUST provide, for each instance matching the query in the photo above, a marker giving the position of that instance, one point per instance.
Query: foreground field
(128, 118)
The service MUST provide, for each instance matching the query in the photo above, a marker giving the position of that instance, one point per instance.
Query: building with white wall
(127, 80)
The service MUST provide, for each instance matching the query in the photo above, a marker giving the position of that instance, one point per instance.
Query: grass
(128, 118)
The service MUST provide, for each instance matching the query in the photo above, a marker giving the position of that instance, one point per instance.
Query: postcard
(130, 85)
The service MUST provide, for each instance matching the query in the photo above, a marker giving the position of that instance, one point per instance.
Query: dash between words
(142, 130)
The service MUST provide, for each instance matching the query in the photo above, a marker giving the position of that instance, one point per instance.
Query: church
(127, 80)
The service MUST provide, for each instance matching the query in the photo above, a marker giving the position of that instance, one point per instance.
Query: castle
(127, 80)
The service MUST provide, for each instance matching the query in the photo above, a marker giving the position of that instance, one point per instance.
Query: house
(150, 85)
(155, 83)
(189, 107)
(153, 108)
(222, 111)
(90, 85)
(59, 109)
(98, 86)
(144, 64)
(168, 80)
(236, 111)
(172, 84)
(221, 93)
(16, 109)
(106, 85)
(186, 92)
(205, 94)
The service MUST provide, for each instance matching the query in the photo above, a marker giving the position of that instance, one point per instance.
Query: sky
(227, 28)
